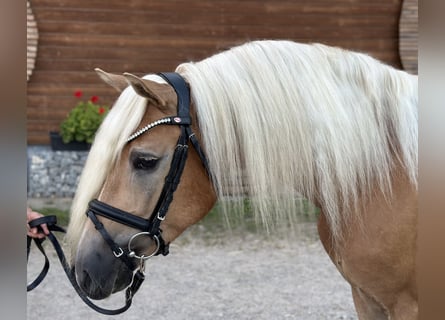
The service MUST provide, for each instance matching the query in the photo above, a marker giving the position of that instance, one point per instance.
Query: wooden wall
(146, 36)
(408, 35)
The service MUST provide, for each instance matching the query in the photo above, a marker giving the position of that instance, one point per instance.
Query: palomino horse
(276, 118)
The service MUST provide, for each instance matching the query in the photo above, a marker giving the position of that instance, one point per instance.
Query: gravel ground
(214, 277)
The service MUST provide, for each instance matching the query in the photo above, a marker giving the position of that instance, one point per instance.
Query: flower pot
(57, 143)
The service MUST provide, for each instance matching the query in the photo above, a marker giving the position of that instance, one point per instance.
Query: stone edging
(53, 174)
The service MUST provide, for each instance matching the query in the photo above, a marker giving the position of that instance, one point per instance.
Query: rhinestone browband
(148, 127)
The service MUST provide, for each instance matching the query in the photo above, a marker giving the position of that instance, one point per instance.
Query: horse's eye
(144, 163)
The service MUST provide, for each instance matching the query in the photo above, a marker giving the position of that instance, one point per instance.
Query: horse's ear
(146, 88)
(117, 81)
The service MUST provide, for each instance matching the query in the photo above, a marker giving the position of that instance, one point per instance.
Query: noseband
(151, 227)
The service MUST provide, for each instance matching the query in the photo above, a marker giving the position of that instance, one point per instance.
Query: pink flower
(78, 94)
(94, 99)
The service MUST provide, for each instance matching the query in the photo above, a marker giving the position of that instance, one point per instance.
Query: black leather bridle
(150, 227)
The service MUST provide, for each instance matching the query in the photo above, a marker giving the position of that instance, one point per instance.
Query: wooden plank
(203, 7)
(74, 77)
(104, 34)
(108, 65)
(64, 89)
(218, 17)
(59, 105)
(119, 54)
(35, 138)
(40, 125)
(135, 42)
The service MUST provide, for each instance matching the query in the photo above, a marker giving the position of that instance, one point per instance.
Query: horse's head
(134, 183)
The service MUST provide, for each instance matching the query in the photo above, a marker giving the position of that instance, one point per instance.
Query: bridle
(150, 227)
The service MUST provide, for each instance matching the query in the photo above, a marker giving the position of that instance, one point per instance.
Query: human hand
(34, 232)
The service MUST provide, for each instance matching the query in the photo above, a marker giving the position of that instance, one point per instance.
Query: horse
(269, 120)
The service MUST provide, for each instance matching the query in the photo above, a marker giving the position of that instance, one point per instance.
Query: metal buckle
(160, 218)
(121, 252)
(143, 257)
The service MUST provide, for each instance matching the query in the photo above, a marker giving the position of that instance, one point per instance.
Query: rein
(51, 222)
(150, 227)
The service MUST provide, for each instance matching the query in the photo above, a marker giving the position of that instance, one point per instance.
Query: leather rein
(150, 227)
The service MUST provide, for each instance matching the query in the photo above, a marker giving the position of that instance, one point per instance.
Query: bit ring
(133, 254)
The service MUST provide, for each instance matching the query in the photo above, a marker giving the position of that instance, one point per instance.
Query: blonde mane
(280, 119)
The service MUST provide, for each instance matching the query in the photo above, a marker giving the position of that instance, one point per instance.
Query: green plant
(83, 120)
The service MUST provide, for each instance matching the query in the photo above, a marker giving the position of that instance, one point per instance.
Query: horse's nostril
(86, 280)
(86, 283)
(91, 288)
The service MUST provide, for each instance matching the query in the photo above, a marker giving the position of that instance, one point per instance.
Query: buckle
(118, 254)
